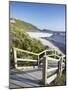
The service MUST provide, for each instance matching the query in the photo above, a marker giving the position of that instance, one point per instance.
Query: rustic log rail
(46, 57)
(45, 70)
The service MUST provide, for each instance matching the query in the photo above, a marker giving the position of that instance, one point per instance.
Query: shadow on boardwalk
(30, 78)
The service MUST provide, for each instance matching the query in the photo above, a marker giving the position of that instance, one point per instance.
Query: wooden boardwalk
(30, 78)
(38, 76)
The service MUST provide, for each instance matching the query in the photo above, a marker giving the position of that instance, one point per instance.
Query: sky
(44, 16)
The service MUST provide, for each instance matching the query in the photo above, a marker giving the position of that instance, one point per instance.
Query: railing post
(44, 71)
(15, 60)
(38, 61)
(54, 54)
(60, 67)
(65, 64)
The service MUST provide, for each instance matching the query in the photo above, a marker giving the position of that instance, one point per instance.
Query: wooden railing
(46, 57)
(59, 69)
(16, 59)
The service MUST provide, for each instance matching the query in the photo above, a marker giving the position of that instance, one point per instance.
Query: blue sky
(44, 16)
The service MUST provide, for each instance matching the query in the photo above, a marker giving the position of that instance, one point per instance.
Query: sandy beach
(45, 42)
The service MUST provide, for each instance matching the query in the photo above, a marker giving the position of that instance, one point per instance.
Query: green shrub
(60, 80)
(20, 39)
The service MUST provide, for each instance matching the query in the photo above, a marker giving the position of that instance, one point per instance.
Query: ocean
(57, 38)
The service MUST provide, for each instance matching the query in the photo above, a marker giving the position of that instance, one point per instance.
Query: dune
(45, 42)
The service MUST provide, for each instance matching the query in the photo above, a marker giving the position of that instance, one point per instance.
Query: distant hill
(51, 31)
(20, 38)
(17, 24)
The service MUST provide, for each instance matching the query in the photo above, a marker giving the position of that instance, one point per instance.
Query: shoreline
(46, 42)
(61, 46)
(44, 38)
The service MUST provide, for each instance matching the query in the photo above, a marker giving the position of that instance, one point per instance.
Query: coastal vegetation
(20, 39)
(21, 25)
(60, 80)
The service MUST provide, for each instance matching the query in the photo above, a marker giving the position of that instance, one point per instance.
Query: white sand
(39, 34)
(44, 41)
